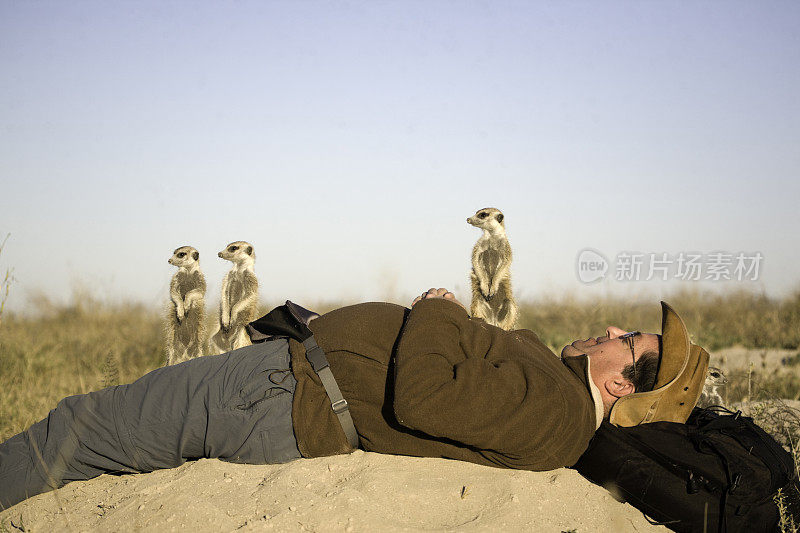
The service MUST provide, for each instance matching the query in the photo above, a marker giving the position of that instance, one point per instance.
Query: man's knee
(19, 476)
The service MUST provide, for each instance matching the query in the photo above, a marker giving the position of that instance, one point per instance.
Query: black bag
(287, 320)
(717, 472)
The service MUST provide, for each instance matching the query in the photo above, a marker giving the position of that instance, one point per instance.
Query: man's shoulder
(371, 320)
(367, 309)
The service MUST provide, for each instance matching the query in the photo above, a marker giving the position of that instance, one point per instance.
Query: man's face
(609, 354)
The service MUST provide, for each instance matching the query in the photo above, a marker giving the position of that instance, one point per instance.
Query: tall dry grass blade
(786, 523)
(5, 285)
(111, 370)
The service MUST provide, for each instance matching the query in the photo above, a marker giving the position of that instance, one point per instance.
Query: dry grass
(5, 283)
(83, 346)
(87, 345)
(717, 321)
(63, 351)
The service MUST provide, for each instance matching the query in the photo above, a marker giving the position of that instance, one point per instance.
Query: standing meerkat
(185, 324)
(714, 381)
(239, 296)
(492, 299)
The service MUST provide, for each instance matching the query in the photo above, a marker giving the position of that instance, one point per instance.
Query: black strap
(319, 362)
(733, 481)
(291, 320)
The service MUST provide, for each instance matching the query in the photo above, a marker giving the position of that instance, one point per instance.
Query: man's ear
(619, 387)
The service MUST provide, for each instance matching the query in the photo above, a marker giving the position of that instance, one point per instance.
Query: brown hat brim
(679, 380)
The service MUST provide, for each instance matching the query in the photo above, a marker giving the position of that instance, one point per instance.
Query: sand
(360, 492)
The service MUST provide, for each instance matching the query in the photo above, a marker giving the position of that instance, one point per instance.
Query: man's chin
(570, 351)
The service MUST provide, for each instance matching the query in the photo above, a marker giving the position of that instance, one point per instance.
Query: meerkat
(710, 395)
(492, 299)
(239, 297)
(185, 324)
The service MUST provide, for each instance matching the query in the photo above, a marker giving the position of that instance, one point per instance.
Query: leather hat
(679, 380)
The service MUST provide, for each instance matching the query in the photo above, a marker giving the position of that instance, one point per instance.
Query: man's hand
(438, 293)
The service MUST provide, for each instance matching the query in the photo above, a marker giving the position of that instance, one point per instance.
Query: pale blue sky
(348, 141)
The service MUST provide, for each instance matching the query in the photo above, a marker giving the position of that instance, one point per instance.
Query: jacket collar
(581, 367)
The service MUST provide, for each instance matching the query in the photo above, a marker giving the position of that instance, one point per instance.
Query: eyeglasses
(628, 338)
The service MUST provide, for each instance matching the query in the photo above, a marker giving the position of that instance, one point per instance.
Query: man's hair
(646, 370)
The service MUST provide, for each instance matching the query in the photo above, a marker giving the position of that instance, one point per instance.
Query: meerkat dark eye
(483, 215)
(233, 248)
(714, 374)
(182, 255)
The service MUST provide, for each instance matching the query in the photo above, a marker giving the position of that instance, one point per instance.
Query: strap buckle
(340, 406)
(315, 355)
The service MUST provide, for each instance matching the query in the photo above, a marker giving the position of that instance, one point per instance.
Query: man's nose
(613, 332)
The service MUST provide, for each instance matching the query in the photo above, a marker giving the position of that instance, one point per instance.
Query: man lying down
(428, 381)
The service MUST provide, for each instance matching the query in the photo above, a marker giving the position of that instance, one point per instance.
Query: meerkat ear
(196, 255)
(499, 217)
(249, 250)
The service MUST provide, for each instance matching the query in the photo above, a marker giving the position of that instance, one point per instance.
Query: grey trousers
(236, 407)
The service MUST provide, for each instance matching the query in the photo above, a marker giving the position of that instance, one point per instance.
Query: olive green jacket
(433, 382)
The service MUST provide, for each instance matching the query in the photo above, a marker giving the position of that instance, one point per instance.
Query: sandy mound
(738, 358)
(357, 492)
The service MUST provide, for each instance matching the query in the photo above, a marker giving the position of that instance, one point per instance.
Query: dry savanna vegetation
(61, 350)
(58, 350)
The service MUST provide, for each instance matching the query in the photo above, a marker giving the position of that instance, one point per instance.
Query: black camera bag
(717, 472)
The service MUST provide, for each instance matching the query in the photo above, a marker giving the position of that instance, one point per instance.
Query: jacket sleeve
(445, 387)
